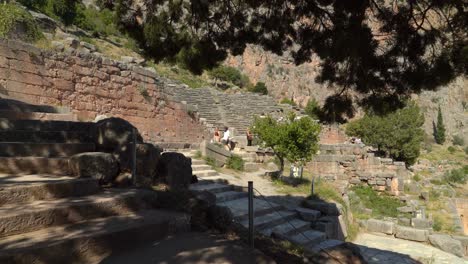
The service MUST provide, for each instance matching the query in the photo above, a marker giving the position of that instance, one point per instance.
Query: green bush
(288, 101)
(381, 204)
(210, 161)
(312, 109)
(451, 149)
(458, 140)
(235, 162)
(260, 88)
(229, 74)
(13, 16)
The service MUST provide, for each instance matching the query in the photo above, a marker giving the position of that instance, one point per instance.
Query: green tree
(398, 134)
(293, 139)
(439, 130)
(229, 74)
(260, 88)
(312, 109)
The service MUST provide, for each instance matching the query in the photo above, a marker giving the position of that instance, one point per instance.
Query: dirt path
(188, 248)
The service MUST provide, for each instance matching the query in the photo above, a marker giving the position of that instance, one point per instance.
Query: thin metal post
(313, 186)
(134, 159)
(251, 215)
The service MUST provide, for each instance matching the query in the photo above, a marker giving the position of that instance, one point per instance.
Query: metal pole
(313, 185)
(251, 215)
(134, 159)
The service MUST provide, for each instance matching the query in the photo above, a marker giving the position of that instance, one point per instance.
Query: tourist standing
(226, 138)
(249, 137)
(217, 135)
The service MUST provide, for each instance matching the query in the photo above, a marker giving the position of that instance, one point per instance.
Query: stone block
(324, 207)
(421, 223)
(447, 244)
(308, 214)
(381, 183)
(174, 169)
(413, 234)
(406, 209)
(97, 165)
(374, 225)
(372, 182)
(355, 181)
(404, 221)
(464, 242)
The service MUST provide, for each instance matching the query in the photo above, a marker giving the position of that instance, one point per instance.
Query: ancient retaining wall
(462, 209)
(92, 85)
(354, 164)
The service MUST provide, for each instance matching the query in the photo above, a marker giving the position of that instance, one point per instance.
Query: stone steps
(200, 167)
(229, 196)
(309, 237)
(205, 173)
(93, 240)
(19, 106)
(270, 219)
(45, 136)
(14, 115)
(30, 188)
(39, 125)
(291, 227)
(24, 149)
(22, 218)
(211, 187)
(34, 165)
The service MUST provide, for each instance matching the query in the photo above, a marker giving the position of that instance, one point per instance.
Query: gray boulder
(374, 225)
(421, 223)
(114, 135)
(96, 165)
(413, 234)
(447, 244)
(174, 169)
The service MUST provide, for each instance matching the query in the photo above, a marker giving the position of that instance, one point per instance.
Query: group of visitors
(226, 138)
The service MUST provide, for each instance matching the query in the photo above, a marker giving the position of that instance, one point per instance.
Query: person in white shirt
(226, 139)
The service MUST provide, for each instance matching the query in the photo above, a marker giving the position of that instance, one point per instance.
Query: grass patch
(198, 155)
(381, 204)
(439, 153)
(210, 162)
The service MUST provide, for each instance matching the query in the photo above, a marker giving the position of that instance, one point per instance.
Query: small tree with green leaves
(293, 139)
(397, 134)
(439, 131)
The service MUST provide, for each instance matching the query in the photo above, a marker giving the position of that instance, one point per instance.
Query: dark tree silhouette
(374, 47)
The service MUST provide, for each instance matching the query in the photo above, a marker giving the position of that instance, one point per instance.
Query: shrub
(12, 17)
(210, 161)
(99, 22)
(437, 224)
(235, 162)
(466, 150)
(458, 140)
(260, 88)
(288, 101)
(451, 149)
(459, 176)
(312, 109)
(416, 177)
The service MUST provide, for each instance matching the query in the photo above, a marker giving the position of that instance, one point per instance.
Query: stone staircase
(48, 216)
(270, 218)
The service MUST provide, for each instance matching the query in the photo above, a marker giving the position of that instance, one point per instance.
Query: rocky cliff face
(286, 80)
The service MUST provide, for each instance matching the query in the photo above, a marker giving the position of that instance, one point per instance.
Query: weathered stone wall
(92, 85)
(354, 164)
